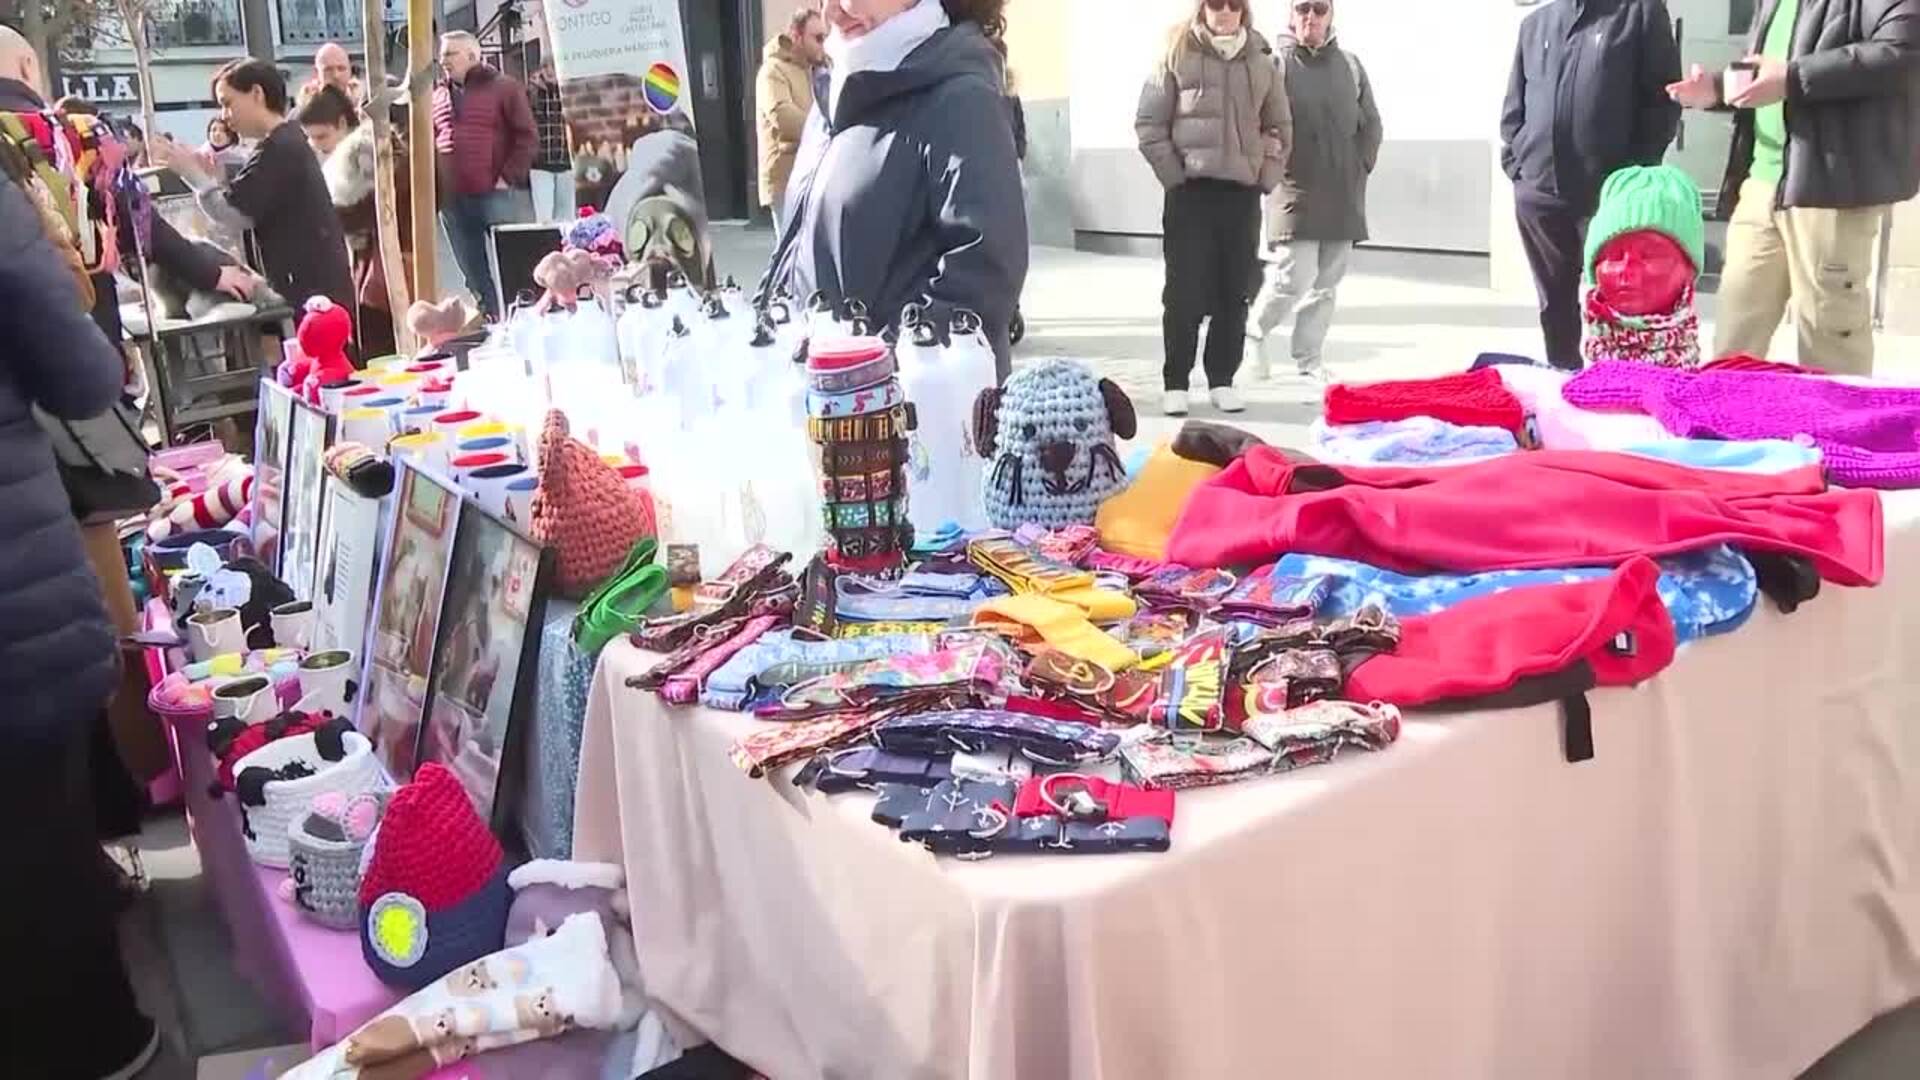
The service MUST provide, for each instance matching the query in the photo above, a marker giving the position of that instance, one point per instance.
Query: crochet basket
(324, 872)
(268, 809)
(584, 511)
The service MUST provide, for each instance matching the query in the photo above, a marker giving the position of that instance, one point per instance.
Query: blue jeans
(469, 221)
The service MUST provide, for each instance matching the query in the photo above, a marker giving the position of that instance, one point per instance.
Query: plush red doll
(323, 335)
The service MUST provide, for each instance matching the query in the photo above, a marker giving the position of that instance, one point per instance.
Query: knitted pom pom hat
(584, 511)
(1657, 198)
(1471, 399)
(435, 894)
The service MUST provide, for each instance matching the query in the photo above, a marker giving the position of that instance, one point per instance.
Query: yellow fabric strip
(1061, 625)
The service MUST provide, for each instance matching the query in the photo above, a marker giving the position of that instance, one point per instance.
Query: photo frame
(272, 434)
(305, 501)
(484, 661)
(406, 616)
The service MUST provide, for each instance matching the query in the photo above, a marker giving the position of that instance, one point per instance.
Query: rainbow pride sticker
(663, 88)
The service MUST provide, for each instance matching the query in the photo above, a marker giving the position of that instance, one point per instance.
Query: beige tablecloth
(1727, 890)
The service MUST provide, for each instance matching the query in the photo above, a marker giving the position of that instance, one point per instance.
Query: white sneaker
(1314, 371)
(1174, 403)
(1227, 400)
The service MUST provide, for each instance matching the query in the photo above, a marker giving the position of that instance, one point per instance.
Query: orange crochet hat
(584, 511)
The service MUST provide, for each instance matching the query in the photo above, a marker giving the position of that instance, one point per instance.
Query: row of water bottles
(709, 390)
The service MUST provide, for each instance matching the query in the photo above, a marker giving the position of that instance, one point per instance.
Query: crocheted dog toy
(186, 511)
(1049, 433)
(323, 335)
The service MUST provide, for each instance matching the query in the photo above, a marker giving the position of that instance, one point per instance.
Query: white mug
(250, 700)
(211, 633)
(327, 683)
(489, 485)
(517, 504)
(292, 624)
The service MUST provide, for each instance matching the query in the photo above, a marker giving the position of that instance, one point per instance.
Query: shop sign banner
(625, 92)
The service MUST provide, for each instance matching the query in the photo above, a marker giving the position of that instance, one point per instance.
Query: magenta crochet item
(1869, 435)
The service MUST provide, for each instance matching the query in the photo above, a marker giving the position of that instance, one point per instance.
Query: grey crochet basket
(324, 862)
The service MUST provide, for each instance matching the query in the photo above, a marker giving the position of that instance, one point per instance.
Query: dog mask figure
(660, 211)
(1049, 433)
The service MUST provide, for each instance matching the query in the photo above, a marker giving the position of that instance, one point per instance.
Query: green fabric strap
(618, 605)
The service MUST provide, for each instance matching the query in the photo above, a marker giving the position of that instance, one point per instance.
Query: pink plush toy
(184, 511)
(323, 335)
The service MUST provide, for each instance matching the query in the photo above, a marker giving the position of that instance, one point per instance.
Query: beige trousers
(1815, 264)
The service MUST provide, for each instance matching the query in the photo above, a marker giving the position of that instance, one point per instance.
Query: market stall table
(1727, 890)
(313, 974)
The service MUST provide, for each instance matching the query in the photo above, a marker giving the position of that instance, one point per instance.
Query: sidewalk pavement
(1401, 315)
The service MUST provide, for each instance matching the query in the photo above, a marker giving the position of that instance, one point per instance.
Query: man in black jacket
(1828, 119)
(1587, 97)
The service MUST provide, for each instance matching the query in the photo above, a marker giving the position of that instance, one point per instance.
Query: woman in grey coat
(1214, 124)
(1320, 210)
(57, 657)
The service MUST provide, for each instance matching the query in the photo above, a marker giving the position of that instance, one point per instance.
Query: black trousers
(1556, 241)
(1212, 245)
(58, 918)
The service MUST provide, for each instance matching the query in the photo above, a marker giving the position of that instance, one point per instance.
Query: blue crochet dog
(1049, 432)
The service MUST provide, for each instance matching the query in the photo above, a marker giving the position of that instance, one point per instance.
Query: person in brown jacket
(346, 148)
(1215, 125)
(484, 135)
(784, 96)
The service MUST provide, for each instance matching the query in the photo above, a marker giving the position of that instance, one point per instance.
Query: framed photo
(406, 617)
(484, 660)
(351, 533)
(273, 431)
(305, 498)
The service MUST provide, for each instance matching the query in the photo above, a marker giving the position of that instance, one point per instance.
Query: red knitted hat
(1474, 398)
(584, 511)
(432, 845)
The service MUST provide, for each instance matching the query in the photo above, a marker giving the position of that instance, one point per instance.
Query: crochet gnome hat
(584, 511)
(435, 894)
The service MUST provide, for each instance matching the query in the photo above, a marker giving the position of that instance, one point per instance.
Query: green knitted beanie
(1660, 198)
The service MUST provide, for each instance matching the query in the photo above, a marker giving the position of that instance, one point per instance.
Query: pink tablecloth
(314, 975)
(1728, 890)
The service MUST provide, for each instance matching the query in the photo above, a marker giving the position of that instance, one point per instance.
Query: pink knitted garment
(1870, 435)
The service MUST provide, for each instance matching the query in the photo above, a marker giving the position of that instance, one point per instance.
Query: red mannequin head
(1642, 273)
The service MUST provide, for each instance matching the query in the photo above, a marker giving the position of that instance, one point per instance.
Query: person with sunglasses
(783, 97)
(1586, 98)
(1214, 123)
(1320, 210)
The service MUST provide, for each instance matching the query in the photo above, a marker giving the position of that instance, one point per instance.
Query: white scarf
(884, 47)
(1229, 45)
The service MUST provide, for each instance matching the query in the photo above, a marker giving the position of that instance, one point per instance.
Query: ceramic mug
(250, 700)
(292, 624)
(452, 424)
(489, 484)
(370, 428)
(418, 419)
(492, 444)
(518, 507)
(327, 683)
(210, 633)
(427, 450)
(468, 463)
(333, 393)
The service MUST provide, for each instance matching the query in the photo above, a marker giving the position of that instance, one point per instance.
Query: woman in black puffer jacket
(57, 670)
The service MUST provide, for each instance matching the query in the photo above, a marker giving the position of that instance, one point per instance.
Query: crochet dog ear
(1120, 415)
(986, 420)
(251, 785)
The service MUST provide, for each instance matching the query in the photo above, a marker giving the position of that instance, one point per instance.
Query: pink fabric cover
(1722, 892)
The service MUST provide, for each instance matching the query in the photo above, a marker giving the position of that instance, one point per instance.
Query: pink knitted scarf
(1869, 435)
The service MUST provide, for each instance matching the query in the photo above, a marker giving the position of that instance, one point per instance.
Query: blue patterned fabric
(727, 687)
(1707, 592)
(559, 718)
